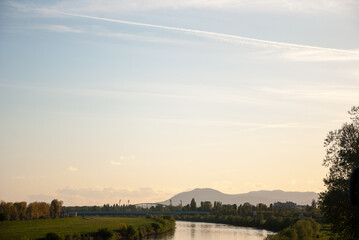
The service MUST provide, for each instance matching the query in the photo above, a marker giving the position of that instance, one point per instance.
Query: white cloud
(56, 28)
(102, 195)
(319, 93)
(116, 163)
(72, 169)
(139, 37)
(42, 197)
(196, 94)
(101, 32)
(317, 55)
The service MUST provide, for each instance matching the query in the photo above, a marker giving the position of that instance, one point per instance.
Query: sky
(105, 100)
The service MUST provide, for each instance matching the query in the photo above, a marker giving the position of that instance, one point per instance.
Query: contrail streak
(222, 36)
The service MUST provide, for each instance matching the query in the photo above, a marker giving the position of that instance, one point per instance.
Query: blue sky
(108, 100)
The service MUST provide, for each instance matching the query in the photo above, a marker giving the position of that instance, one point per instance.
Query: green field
(35, 229)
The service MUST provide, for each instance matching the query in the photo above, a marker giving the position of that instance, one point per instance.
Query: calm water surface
(208, 231)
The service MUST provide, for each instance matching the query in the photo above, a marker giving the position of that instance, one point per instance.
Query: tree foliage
(301, 230)
(193, 205)
(342, 156)
(55, 208)
(22, 210)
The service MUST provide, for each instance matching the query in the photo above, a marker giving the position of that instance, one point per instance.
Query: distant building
(73, 214)
(301, 216)
(301, 207)
(64, 213)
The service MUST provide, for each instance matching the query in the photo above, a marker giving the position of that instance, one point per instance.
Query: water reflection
(208, 231)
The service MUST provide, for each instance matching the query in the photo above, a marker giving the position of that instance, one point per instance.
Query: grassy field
(35, 229)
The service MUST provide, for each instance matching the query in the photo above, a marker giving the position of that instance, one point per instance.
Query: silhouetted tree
(342, 156)
(193, 205)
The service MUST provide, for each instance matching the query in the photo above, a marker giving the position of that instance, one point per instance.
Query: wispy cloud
(296, 52)
(195, 94)
(289, 51)
(115, 163)
(19, 177)
(103, 195)
(72, 169)
(56, 28)
(201, 122)
(317, 93)
(101, 32)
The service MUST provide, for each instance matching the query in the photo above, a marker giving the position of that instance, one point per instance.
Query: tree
(342, 156)
(193, 205)
(55, 208)
(43, 209)
(314, 203)
(21, 209)
(206, 206)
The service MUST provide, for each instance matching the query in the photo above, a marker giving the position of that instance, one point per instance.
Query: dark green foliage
(132, 232)
(304, 229)
(52, 236)
(272, 223)
(73, 237)
(161, 225)
(156, 227)
(104, 233)
(342, 156)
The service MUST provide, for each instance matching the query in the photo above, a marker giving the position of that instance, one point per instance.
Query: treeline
(274, 217)
(158, 226)
(244, 210)
(21, 210)
(272, 223)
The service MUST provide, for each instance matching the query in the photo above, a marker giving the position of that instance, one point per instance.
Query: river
(212, 231)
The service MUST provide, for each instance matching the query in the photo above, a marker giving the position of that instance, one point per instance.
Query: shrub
(122, 229)
(156, 227)
(104, 233)
(52, 236)
(132, 232)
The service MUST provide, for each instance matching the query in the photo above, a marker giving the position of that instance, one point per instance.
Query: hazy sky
(106, 100)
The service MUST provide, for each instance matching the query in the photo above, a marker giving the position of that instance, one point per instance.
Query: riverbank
(283, 228)
(86, 227)
(273, 224)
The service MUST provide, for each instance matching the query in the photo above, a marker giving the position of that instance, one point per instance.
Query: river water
(212, 231)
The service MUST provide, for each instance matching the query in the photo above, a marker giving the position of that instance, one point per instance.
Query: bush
(132, 232)
(122, 229)
(301, 230)
(52, 236)
(104, 233)
(73, 237)
(156, 226)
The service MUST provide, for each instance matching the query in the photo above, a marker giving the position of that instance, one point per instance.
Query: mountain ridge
(253, 197)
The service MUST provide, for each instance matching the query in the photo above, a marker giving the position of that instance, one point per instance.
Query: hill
(255, 197)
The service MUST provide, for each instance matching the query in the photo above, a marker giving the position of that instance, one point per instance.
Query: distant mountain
(255, 197)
